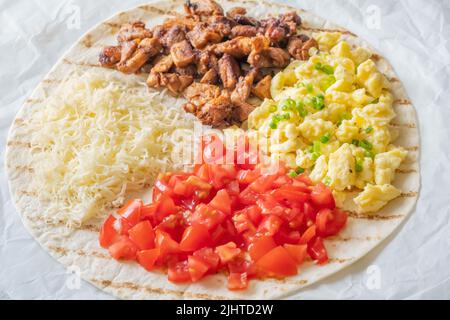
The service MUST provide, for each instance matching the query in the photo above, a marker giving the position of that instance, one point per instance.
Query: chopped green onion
(355, 142)
(369, 154)
(366, 145)
(309, 87)
(310, 149)
(327, 82)
(273, 125)
(287, 104)
(272, 109)
(315, 156)
(358, 166)
(327, 181)
(369, 129)
(316, 147)
(292, 174)
(318, 103)
(325, 138)
(286, 116)
(346, 116)
(376, 100)
(299, 170)
(277, 118)
(325, 68)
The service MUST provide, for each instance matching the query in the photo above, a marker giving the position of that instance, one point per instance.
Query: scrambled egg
(330, 116)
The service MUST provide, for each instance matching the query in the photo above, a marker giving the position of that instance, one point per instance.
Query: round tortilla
(79, 247)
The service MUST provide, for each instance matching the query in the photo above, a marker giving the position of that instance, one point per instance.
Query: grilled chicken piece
(153, 80)
(149, 47)
(162, 64)
(190, 70)
(259, 44)
(243, 31)
(243, 88)
(217, 111)
(236, 11)
(240, 95)
(203, 8)
(292, 20)
(110, 56)
(200, 93)
(182, 54)
(175, 83)
(221, 24)
(311, 43)
(211, 77)
(169, 36)
(205, 61)
(128, 49)
(132, 31)
(262, 88)
(295, 46)
(239, 47)
(276, 30)
(229, 71)
(202, 34)
(269, 58)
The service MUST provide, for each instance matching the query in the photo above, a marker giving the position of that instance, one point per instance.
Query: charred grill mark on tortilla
(81, 63)
(34, 101)
(312, 29)
(19, 144)
(356, 215)
(403, 125)
(137, 287)
(404, 102)
(346, 239)
(406, 171)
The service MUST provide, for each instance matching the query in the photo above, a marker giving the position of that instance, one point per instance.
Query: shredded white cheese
(100, 137)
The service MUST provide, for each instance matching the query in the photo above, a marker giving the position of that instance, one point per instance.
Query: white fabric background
(413, 35)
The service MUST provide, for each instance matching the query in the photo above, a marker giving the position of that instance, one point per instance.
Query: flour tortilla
(79, 247)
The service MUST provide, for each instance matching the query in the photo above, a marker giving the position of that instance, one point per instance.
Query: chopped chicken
(236, 11)
(243, 88)
(229, 71)
(203, 7)
(182, 53)
(132, 31)
(206, 60)
(243, 31)
(168, 37)
(163, 64)
(211, 77)
(175, 83)
(221, 24)
(242, 110)
(200, 93)
(239, 47)
(262, 88)
(269, 58)
(216, 112)
(295, 46)
(149, 47)
(110, 56)
(203, 34)
(190, 70)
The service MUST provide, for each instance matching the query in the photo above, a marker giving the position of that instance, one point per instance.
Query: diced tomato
(277, 263)
(322, 197)
(260, 246)
(165, 208)
(221, 202)
(195, 237)
(298, 252)
(263, 183)
(108, 234)
(179, 272)
(237, 281)
(310, 211)
(308, 235)
(248, 197)
(207, 216)
(143, 235)
(330, 222)
(227, 252)
(123, 249)
(197, 268)
(290, 194)
(208, 256)
(147, 258)
(165, 243)
(131, 212)
(270, 225)
(317, 251)
(252, 220)
(148, 211)
(248, 176)
(304, 178)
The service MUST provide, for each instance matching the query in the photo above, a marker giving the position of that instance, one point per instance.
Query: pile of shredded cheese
(101, 137)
